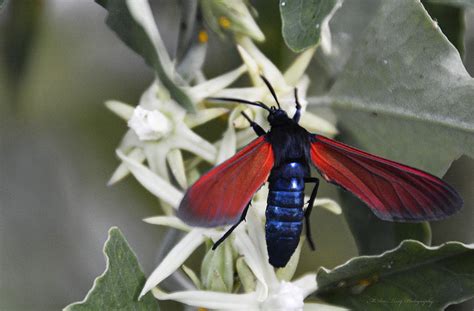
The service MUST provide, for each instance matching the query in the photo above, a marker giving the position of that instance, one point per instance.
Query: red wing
(393, 191)
(220, 196)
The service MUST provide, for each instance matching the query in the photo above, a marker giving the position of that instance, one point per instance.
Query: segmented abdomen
(284, 212)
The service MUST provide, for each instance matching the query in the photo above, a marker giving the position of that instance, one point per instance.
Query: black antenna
(296, 99)
(241, 101)
(271, 90)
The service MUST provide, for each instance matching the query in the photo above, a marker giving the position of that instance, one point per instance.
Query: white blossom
(286, 297)
(149, 125)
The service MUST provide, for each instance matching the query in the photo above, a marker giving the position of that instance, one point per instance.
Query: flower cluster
(160, 129)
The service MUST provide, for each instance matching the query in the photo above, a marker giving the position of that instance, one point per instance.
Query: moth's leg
(257, 128)
(228, 232)
(297, 115)
(307, 212)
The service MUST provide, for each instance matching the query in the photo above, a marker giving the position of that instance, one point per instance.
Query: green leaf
(118, 287)
(405, 94)
(304, 20)
(373, 235)
(347, 27)
(410, 277)
(451, 21)
(141, 35)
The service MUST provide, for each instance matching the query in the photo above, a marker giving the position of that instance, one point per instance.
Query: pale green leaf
(118, 287)
(410, 277)
(303, 21)
(405, 93)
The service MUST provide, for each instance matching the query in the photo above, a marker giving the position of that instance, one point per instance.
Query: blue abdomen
(284, 212)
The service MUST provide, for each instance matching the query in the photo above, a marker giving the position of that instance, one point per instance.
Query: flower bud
(233, 16)
(217, 270)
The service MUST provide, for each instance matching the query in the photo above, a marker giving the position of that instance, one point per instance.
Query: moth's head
(277, 116)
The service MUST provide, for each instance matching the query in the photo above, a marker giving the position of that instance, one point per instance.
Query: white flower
(160, 128)
(149, 125)
(286, 297)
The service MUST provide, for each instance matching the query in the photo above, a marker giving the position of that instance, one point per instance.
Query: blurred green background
(58, 64)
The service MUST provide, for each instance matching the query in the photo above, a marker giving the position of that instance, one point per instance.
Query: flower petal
(297, 69)
(249, 93)
(122, 170)
(316, 124)
(192, 276)
(208, 88)
(256, 231)
(176, 163)
(203, 116)
(228, 146)
(175, 258)
(190, 141)
(130, 140)
(155, 153)
(253, 259)
(149, 99)
(169, 221)
(121, 109)
(211, 300)
(321, 307)
(264, 65)
(152, 182)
